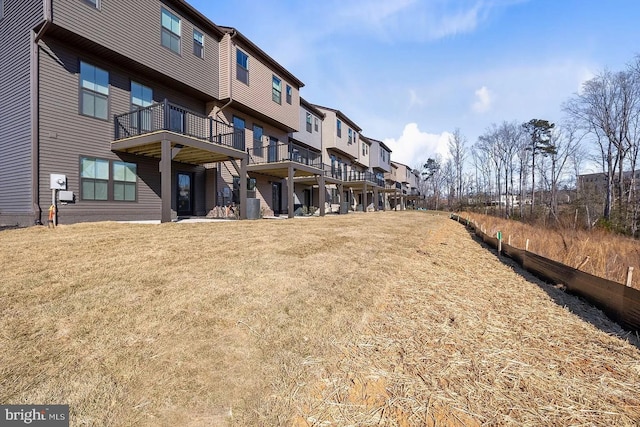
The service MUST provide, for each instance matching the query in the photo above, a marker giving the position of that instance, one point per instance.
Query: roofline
(262, 54)
(382, 144)
(342, 115)
(195, 12)
(311, 107)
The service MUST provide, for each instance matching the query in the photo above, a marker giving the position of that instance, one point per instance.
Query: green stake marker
(499, 235)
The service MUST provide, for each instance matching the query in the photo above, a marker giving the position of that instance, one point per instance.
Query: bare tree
(565, 141)
(602, 108)
(458, 153)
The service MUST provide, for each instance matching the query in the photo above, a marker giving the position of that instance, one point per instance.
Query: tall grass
(609, 255)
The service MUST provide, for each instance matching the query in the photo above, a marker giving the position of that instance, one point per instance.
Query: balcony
(166, 116)
(336, 172)
(284, 152)
(365, 176)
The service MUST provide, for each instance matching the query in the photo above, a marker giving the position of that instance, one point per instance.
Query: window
(276, 93)
(238, 135)
(141, 97)
(339, 127)
(350, 138)
(124, 181)
(94, 3)
(198, 44)
(316, 124)
(242, 66)
(94, 85)
(94, 177)
(289, 94)
(96, 183)
(308, 122)
(364, 149)
(257, 139)
(170, 31)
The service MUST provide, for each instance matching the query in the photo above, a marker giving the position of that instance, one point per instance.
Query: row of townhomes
(128, 110)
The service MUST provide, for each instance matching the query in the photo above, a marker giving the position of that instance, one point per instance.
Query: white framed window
(242, 66)
(171, 32)
(339, 128)
(124, 181)
(141, 97)
(94, 178)
(276, 91)
(309, 122)
(198, 44)
(316, 124)
(350, 137)
(289, 94)
(94, 91)
(103, 180)
(94, 3)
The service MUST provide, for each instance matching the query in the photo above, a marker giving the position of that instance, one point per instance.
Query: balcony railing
(174, 118)
(336, 172)
(280, 152)
(365, 176)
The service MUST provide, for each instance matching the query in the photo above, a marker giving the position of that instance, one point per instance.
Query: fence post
(167, 114)
(499, 236)
(629, 276)
(526, 245)
(509, 239)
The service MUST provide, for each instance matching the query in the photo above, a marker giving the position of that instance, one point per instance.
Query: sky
(409, 72)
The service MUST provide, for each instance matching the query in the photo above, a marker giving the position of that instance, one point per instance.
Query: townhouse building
(380, 164)
(113, 109)
(158, 113)
(260, 99)
(346, 156)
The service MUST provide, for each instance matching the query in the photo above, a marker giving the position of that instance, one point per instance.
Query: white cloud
(483, 100)
(414, 99)
(414, 147)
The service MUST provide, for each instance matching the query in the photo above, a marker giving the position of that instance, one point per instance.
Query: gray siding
(65, 136)
(313, 138)
(133, 29)
(258, 94)
(20, 16)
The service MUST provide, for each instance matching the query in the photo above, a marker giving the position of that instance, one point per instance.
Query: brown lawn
(393, 319)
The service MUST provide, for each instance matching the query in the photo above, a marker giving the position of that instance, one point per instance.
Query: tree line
(532, 170)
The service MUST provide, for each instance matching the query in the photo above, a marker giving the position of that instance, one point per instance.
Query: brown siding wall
(258, 94)
(313, 138)
(20, 16)
(133, 29)
(65, 136)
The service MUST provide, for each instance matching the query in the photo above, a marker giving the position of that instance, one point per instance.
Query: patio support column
(290, 191)
(322, 191)
(165, 181)
(376, 199)
(364, 197)
(243, 187)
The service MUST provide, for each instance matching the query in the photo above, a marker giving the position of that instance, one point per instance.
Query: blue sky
(411, 71)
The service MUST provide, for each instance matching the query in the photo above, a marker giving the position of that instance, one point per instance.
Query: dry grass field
(610, 255)
(388, 318)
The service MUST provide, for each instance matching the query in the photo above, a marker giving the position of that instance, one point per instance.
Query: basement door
(184, 192)
(276, 197)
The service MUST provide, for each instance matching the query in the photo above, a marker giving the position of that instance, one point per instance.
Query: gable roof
(283, 72)
(340, 114)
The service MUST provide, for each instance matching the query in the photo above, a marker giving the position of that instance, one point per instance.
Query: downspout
(231, 36)
(219, 165)
(35, 110)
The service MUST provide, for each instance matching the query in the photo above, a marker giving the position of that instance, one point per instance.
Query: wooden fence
(621, 303)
